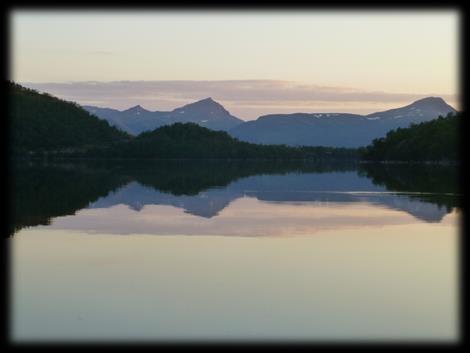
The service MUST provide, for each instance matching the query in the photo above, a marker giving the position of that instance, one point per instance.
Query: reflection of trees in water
(192, 177)
(41, 191)
(439, 180)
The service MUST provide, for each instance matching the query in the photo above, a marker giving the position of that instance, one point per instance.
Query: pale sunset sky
(252, 62)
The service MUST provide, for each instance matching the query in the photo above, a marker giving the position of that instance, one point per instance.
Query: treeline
(40, 122)
(191, 141)
(42, 125)
(435, 140)
(46, 126)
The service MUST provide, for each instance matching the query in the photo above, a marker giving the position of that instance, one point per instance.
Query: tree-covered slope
(191, 141)
(44, 125)
(435, 140)
(41, 122)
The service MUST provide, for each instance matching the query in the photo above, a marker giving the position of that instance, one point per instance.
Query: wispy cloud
(247, 99)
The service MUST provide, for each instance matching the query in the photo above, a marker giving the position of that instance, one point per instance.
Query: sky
(253, 63)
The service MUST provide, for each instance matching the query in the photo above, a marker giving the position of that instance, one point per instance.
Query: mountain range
(207, 113)
(297, 129)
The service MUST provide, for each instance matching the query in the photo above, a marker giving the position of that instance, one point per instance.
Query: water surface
(234, 251)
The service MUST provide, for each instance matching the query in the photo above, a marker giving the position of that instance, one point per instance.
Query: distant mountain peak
(206, 105)
(432, 102)
(136, 108)
(206, 101)
(337, 129)
(429, 99)
(205, 112)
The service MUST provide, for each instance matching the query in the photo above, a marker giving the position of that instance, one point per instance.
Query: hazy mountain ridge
(421, 108)
(296, 129)
(206, 112)
(337, 129)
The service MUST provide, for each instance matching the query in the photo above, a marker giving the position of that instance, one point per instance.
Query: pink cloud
(247, 99)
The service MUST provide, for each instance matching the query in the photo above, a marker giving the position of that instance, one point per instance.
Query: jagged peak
(206, 103)
(136, 108)
(207, 100)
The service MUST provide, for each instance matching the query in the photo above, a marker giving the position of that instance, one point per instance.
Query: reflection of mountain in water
(419, 208)
(136, 196)
(339, 187)
(41, 192)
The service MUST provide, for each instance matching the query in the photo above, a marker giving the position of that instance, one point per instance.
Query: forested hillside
(193, 141)
(435, 140)
(41, 122)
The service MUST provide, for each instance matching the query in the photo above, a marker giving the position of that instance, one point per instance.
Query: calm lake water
(188, 251)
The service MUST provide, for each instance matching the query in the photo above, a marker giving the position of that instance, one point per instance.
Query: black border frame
(231, 5)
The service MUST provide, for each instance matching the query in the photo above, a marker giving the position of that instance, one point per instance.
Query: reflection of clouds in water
(400, 282)
(452, 218)
(243, 217)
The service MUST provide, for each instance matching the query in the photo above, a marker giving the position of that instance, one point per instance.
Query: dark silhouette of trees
(191, 141)
(435, 140)
(42, 125)
(41, 122)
